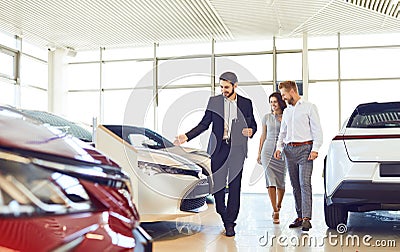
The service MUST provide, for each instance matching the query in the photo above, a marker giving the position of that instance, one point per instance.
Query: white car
(167, 185)
(144, 139)
(362, 167)
(170, 181)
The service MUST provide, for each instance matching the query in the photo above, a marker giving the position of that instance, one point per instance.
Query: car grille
(195, 198)
(192, 204)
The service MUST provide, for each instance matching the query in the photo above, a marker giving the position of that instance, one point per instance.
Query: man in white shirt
(300, 139)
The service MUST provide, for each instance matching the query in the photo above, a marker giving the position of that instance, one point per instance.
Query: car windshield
(376, 115)
(78, 130)
(149, 139)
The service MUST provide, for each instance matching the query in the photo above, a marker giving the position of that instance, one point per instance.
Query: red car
(59, 194)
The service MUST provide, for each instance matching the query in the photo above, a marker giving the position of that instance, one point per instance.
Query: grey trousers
(300, 171)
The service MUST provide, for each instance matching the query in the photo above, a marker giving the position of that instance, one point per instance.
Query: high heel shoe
(275, 217)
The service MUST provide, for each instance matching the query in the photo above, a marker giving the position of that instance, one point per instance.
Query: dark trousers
(227, 166)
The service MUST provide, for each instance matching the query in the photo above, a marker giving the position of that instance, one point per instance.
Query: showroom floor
(256, 232)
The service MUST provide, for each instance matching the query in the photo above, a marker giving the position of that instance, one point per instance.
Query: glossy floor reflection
(372, 231)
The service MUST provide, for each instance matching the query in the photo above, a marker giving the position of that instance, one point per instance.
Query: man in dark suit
(233, 123)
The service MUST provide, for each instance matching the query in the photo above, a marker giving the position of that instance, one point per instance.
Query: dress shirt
(300, 123)
(230, 113)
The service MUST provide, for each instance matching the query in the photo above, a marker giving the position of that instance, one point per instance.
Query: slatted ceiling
(92, 24)
(353, 20)
(387, 7)
(114, 23)
(295, 16)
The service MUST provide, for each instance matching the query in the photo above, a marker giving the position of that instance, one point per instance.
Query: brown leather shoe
(296, 223)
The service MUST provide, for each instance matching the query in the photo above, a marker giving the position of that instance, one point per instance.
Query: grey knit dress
(275, 170)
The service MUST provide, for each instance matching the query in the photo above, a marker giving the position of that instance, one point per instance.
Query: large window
(34, 72)
(8, 40)
(253, 174)
(33, 98)
(127, 74)
(184, 72)
(34, 83)
(289, 66)
(83, 76)
(243, 46)
(323, 65)
(183, 49)
(23, 73)
(84, 106)
(7, 66)
(180, 110)
(249, 68)
(123, 53)
(356, 92)
(322, 94)
(370, 63)
(115, 105)
(7, 93)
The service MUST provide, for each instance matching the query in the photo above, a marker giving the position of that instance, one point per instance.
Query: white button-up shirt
(230, 113)
(300, 123)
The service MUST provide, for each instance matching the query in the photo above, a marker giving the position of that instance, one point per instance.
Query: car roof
(376, 107)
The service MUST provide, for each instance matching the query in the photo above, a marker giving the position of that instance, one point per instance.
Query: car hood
(165, 158)
(197, 156)
(372, 144)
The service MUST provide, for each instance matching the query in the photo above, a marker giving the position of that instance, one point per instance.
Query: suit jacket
(215, 114)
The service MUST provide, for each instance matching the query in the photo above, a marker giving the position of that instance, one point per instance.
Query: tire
(335, 215)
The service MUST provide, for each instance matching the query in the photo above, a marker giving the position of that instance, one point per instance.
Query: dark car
(59, 194)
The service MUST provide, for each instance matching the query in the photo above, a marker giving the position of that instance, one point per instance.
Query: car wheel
(335, 215)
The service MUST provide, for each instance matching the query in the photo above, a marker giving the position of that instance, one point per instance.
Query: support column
(58, 90)
(305, 66)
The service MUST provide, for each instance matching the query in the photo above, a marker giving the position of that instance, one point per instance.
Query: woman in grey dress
(275, 170)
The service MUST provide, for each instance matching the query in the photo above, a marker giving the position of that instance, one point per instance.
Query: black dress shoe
(230, 231)
(296, 223)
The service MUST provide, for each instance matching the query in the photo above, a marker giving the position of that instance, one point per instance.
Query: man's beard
(231, 93)
(290, 101)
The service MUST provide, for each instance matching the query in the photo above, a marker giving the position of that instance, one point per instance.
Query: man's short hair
(288, 85)
(230, 77)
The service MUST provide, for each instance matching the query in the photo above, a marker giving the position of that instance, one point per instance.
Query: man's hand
(247, 132)
(313, 155)
(180, 139)
(277, 154)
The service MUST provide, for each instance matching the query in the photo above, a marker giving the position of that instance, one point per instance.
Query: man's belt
(295, 144)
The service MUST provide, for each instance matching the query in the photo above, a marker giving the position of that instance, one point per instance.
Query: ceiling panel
(91, 24)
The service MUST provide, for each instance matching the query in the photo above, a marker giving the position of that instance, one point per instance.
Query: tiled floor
(256, 232)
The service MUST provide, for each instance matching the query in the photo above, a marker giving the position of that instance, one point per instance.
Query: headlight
(153, 169)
